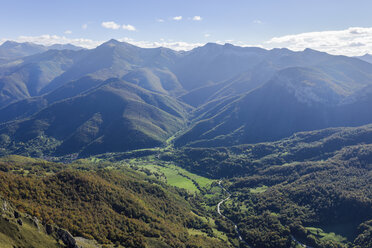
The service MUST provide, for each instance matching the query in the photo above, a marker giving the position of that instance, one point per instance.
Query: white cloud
(175, 45)
(160, 20)
(114, 25)
(257, 22)
(48, 40)
(84, 26)
(177, 18)
(68, 32)
(129, 27)
(197, 18)
(207, 35)
(353, 41)
(110, 25)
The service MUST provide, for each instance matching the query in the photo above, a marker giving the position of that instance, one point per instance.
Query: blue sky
(151, 23)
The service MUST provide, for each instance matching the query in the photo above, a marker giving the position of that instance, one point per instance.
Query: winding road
(219, 212)
(298, 242)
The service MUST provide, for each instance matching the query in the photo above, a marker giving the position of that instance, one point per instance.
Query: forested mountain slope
(313, 187)
(117, 116)
(240, 94)
(111, 204)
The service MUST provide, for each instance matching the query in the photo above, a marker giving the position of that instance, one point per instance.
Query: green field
(169, 173)
(258, 190)
(211, 222)
(319, 233)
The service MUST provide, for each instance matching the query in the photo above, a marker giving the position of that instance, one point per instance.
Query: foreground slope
(112, 204)
(17, 230)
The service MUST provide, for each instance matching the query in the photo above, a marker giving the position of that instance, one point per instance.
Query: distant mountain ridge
(13, 50)
(366, 57)
(214, 95)
(295, 99)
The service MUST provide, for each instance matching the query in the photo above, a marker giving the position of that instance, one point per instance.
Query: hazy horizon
(185, 25)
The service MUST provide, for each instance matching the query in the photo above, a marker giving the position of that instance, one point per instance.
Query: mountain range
(120, 97)
(10, 50)
(220, 146)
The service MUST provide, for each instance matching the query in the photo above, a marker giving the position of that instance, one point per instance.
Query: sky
(333, 26)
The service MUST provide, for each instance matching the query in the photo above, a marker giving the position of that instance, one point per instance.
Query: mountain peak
(116, 43)
(312, 51)
(212, 44)
(228, 45)
(9, 43)
(366, 57)
(12, 49)
(283, 50)
(111, 43)
(309, 50)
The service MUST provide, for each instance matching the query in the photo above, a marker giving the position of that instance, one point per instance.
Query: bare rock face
(35, 221)
(67, 238)
(16, 214)
(5, 209)
(49, 229)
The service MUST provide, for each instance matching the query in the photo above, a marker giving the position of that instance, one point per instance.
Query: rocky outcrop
(49, 229)
(66, 238)
(9, 214)
(61, 234)
(16, 214)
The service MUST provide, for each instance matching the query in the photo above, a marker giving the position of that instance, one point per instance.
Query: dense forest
(111, 205)
(313, 186)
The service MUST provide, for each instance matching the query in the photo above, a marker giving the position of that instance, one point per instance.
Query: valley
(219, 212)
(219, 146)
